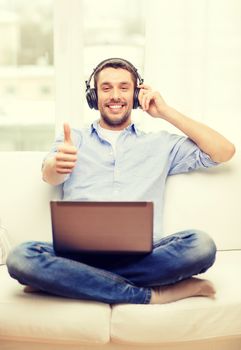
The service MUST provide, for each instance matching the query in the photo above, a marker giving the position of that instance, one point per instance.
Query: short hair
(115, 63)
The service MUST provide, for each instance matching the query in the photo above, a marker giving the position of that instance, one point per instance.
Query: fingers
(145, 97)
(145, 91)
(65, 167)
(146, 101)
(144, 86)
(66, 157)
(65, 163)
(67, 149)
(150, 101)
(64, 171)
(67, 134)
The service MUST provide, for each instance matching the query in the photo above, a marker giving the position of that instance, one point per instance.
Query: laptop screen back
(102, 227)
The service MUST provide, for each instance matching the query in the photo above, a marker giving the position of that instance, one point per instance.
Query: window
(27, 89)
(29, 66)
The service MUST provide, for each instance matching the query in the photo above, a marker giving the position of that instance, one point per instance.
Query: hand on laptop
(67, 153)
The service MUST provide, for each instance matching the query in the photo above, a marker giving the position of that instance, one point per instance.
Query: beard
(116, 121)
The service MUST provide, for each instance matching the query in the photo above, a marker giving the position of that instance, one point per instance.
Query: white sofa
(208, 200)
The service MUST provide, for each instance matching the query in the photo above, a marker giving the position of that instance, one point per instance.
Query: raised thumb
(67, 134)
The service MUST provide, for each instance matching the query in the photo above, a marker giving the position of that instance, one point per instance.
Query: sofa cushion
(40, 317)
(190, 319)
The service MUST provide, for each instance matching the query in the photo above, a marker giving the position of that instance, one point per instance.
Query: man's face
(115, 88)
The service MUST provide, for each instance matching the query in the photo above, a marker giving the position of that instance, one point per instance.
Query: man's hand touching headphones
(66, 156)
(151, 101)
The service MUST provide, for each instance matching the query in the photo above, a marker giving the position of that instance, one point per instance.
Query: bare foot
(187, 288)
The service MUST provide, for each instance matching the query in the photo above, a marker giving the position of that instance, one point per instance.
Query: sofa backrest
(24, 197)
(207, 200)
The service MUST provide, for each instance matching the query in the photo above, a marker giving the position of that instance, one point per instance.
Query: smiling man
(113, 160)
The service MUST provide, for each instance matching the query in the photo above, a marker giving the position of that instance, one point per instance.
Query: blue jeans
(113, 278)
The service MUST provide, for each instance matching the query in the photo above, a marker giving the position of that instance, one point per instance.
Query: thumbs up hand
(66, 156)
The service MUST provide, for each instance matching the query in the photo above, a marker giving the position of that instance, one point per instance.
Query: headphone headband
(102, 63)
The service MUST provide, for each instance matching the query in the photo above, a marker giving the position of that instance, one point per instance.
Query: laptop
(101, 227)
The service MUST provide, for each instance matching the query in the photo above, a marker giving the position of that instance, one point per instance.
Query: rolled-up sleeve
(186, 156)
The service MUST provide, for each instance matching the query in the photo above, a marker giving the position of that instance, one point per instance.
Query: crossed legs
(162, 276)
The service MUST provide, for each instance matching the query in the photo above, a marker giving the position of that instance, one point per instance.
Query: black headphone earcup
(136, 103)
(92, 99)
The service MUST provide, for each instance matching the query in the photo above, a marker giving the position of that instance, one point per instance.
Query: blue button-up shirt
(137, 172)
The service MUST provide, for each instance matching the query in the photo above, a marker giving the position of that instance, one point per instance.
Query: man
(113, 160)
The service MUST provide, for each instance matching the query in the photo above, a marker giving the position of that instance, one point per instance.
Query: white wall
(193, 57)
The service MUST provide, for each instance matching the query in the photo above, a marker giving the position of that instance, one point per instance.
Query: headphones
(91, 93)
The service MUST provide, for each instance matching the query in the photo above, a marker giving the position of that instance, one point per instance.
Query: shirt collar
(132, 128)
